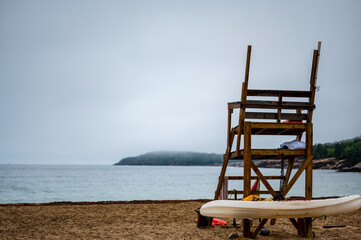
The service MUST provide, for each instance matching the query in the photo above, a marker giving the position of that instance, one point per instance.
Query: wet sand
(143, 220)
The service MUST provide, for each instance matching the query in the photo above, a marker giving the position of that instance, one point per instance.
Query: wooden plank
(309, 154)
(268, 115)
(243, 98)
(233, 105)
(308, 190)
(301, 126)
(247, 160)
(263, 154)
(248, 63)
(252, 192)
(278, 152)
(224, 190)
(318, 59)
(308, 227)
(297, 226)
(246, 227)
(291, 162)
(313, 82)
(262, 178)
(221, 177)
(297, 175)
(275, 105)
(276, 93)
(229, 125)
(279, 110)
(299, 135)
(260, 226)
(241, 118)
(253, 177)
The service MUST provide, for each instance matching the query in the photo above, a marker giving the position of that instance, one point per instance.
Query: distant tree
(338, 150)
(320, 151)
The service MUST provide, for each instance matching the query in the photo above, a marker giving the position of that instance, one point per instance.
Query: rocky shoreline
(327, 163)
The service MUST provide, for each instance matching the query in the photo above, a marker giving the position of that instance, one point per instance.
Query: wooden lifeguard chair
(292, 115)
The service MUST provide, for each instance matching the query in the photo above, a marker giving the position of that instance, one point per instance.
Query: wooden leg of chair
(260, 226)
(297, 225)
(246, 228)
(273, 221)
(308, 227)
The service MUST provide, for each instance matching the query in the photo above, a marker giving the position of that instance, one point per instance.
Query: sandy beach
(142, 220)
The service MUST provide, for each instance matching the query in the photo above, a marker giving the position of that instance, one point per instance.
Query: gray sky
(91, 82)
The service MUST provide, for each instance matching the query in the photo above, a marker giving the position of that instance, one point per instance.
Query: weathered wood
(278, 130)
(276, 93)
(263, 179)
(278, 125)
(291, 162)
(279, 110)
(234, 105)
(247, 161)
(241, 117)
(297, 175)
(264, 100)
(224, 189)
(309, 154)
(268, 115)
(308, 177)
(264, 154)
(313, 82)
(248, 63)
(253, 177)
(275, 105)
(229, 126)
(260, 226)
(221, 177)
(246, 228)
(299, 228)
(308, 227)
(243, 97)
(252, 192)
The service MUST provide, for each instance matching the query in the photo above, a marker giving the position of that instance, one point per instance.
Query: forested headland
(169, 158)
(347, 150)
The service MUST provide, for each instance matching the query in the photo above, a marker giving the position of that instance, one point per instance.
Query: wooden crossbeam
(268, 115)
(299, 228)
(300, 126)
(297, 175)
(277, 105)
(221, 177)
(271, 105)
(252, 192)
(263, 179)
(260, 226)
(291, 162)
(254, 177)
(276, 93)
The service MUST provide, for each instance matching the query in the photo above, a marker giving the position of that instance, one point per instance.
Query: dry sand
(142, 220)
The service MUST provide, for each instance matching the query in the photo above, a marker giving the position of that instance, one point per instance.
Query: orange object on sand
(217, 222)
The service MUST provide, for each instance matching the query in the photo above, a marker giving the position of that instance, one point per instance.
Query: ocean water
(50, 183)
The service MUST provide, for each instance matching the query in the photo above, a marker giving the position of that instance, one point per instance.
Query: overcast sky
(91, 82)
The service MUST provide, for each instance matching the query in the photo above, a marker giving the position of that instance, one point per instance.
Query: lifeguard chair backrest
(287, 105)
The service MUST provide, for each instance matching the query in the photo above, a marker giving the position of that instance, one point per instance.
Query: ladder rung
(253, 177)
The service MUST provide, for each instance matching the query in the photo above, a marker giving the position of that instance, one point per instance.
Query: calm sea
(49, 183)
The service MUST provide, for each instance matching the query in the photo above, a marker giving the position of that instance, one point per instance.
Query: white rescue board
(281, 209)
